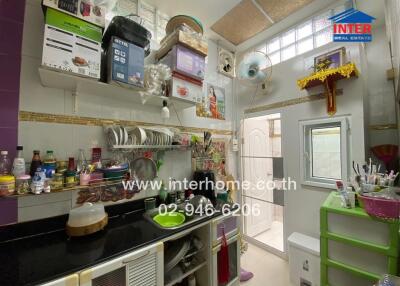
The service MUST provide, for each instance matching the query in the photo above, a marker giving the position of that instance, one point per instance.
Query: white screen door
(261, 157)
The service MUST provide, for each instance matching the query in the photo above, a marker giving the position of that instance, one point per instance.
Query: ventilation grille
(143, 272)
(114, 278)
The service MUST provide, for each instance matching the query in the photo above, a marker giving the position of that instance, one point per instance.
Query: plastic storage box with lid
(304, 260)
(186, 62)
(71, 45)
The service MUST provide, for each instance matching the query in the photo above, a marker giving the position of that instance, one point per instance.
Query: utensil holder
(84, 179)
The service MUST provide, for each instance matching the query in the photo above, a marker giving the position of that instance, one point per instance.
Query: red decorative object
(386, 153)
(148, 154)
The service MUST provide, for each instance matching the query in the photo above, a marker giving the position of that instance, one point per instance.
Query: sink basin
(175, 217)
(171, 219)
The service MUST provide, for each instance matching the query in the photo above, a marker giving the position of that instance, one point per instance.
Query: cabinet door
(229, 224)
(148, 270)
(144, 267)
(72, 280)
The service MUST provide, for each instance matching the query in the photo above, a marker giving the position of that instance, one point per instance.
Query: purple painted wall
(11, 30)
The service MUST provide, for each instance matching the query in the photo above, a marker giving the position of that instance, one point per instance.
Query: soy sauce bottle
(36, 163)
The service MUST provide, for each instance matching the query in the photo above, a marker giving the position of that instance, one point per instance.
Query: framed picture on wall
(330, 60)
(213, 103)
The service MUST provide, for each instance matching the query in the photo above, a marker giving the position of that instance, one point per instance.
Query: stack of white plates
(117, 135)
(176, 252)
(139, 136)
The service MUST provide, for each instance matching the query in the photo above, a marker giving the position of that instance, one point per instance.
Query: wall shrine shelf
(328, 79)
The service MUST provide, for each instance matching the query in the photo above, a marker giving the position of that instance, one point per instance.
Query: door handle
(136, 258)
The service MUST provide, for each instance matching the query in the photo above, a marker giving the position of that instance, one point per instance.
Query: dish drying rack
(156, 139)
(130, 148)
(189, 263)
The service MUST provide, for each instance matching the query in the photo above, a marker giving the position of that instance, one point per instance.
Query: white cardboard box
(71, 45)
(185, 90)
(86, 10)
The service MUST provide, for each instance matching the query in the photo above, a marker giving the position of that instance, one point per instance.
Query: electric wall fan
(255, 69)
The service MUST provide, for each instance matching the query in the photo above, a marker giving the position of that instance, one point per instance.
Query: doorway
(262, 172)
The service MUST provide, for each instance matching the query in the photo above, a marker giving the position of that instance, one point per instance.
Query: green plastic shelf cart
(355, 248)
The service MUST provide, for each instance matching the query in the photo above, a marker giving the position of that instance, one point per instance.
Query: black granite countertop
(42, 258)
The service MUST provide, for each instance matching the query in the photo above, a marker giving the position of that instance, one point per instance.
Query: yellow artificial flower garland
(345, 70)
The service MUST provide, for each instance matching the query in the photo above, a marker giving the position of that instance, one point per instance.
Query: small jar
(47, 185)
(61, 166)
(57, 182)
(7, 185)
(70, 179)
(22, 184)
(180, 196)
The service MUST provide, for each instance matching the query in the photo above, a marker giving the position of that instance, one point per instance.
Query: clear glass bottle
(5, 166)
(82, 165)
(19, 163)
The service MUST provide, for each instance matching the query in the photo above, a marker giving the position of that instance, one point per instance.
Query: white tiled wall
(37, 207)
(65, 140)
(381, 100)
(176, 165)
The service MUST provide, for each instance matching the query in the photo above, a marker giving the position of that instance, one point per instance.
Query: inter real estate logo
(352, 26)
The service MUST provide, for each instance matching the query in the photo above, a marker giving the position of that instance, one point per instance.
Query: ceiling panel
(241, 23)
(280, 9)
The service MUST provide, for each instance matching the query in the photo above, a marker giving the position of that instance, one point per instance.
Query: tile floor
(272, 237)
(268, 269)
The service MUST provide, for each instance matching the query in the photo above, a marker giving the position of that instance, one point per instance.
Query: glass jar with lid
(57, 182)
(70, 179)
(7, 185)
(22, 184)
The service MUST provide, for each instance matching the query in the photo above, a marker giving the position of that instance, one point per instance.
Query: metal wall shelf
(79, 86)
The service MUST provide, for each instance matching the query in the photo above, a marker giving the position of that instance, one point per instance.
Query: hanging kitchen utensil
(223, 261)
(145, 169)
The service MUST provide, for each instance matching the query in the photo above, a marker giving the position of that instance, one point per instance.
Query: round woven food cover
(178, 20)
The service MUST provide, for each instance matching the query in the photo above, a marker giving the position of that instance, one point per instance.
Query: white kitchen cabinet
(228, 224)
(71, 280)
(144, 267)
